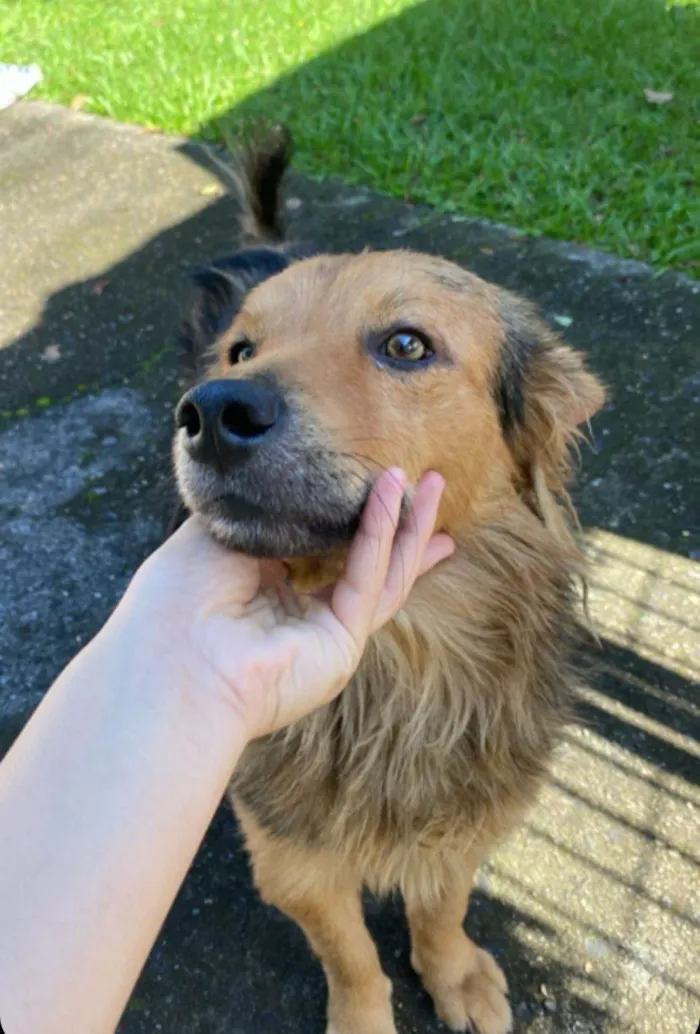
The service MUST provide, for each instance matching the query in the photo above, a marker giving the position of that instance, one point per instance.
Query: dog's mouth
(289, 500)
(264, 531)
(259, 531)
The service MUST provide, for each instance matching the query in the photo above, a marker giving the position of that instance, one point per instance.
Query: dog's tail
(255, 181)
(262, 165)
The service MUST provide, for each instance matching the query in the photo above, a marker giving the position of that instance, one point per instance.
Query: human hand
(230, 621)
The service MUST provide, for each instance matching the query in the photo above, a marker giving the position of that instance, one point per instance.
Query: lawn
(531, 112)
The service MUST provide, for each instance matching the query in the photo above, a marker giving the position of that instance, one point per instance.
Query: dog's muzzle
(253, 466)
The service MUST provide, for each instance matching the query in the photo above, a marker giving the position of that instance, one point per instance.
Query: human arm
(107, 794)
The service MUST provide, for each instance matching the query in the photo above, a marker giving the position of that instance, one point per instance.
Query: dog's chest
(398, 767)
(358, 782)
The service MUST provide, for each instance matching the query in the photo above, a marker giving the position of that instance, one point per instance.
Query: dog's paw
(478, 1004)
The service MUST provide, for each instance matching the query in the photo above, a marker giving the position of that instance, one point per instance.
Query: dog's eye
(241, 352)
(406, 346)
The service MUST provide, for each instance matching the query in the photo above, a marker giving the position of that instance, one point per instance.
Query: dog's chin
(276, 541)
(251, 529)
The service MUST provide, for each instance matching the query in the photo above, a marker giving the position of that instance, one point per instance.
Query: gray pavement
(593, 907)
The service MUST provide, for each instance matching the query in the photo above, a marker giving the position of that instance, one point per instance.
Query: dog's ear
(546, 397)
(219, 293)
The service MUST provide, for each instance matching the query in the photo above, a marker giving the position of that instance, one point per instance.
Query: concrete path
(593, 908)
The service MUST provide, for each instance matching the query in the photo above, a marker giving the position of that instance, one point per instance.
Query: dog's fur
(443, 737)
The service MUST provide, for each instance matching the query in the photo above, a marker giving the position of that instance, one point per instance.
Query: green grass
(531, 112)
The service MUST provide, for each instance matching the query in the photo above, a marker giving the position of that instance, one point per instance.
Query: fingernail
(398, 477)
(440, 487)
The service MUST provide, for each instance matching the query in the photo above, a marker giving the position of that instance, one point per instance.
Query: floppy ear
(545, 396)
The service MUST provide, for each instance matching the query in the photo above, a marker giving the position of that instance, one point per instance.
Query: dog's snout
(223, 419)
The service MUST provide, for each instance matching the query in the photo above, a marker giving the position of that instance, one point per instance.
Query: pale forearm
(103, 802)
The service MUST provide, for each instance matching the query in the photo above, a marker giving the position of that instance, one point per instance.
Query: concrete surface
(593, 907)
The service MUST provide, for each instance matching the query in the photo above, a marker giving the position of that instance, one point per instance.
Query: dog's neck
(308, 575)
(490, 612)
(460, 697)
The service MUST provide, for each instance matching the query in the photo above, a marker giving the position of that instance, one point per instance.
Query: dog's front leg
(322, 896)
(468, 988)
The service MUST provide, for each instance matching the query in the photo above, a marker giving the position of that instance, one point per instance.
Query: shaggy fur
(440, 742)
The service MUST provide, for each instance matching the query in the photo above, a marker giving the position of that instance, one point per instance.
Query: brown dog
(314, 373)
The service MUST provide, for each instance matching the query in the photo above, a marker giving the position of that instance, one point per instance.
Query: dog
(311, 373)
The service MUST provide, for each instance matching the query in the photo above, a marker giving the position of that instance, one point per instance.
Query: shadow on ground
(98, 365)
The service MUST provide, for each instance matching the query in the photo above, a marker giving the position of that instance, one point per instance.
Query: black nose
(224, 419)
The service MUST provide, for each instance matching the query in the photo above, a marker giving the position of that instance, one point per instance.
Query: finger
(357, 594)
(440, 547)
(413, 538)
(410, 547)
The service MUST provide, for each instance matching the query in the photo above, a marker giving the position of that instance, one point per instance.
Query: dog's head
(314, 374)
(333, 368)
